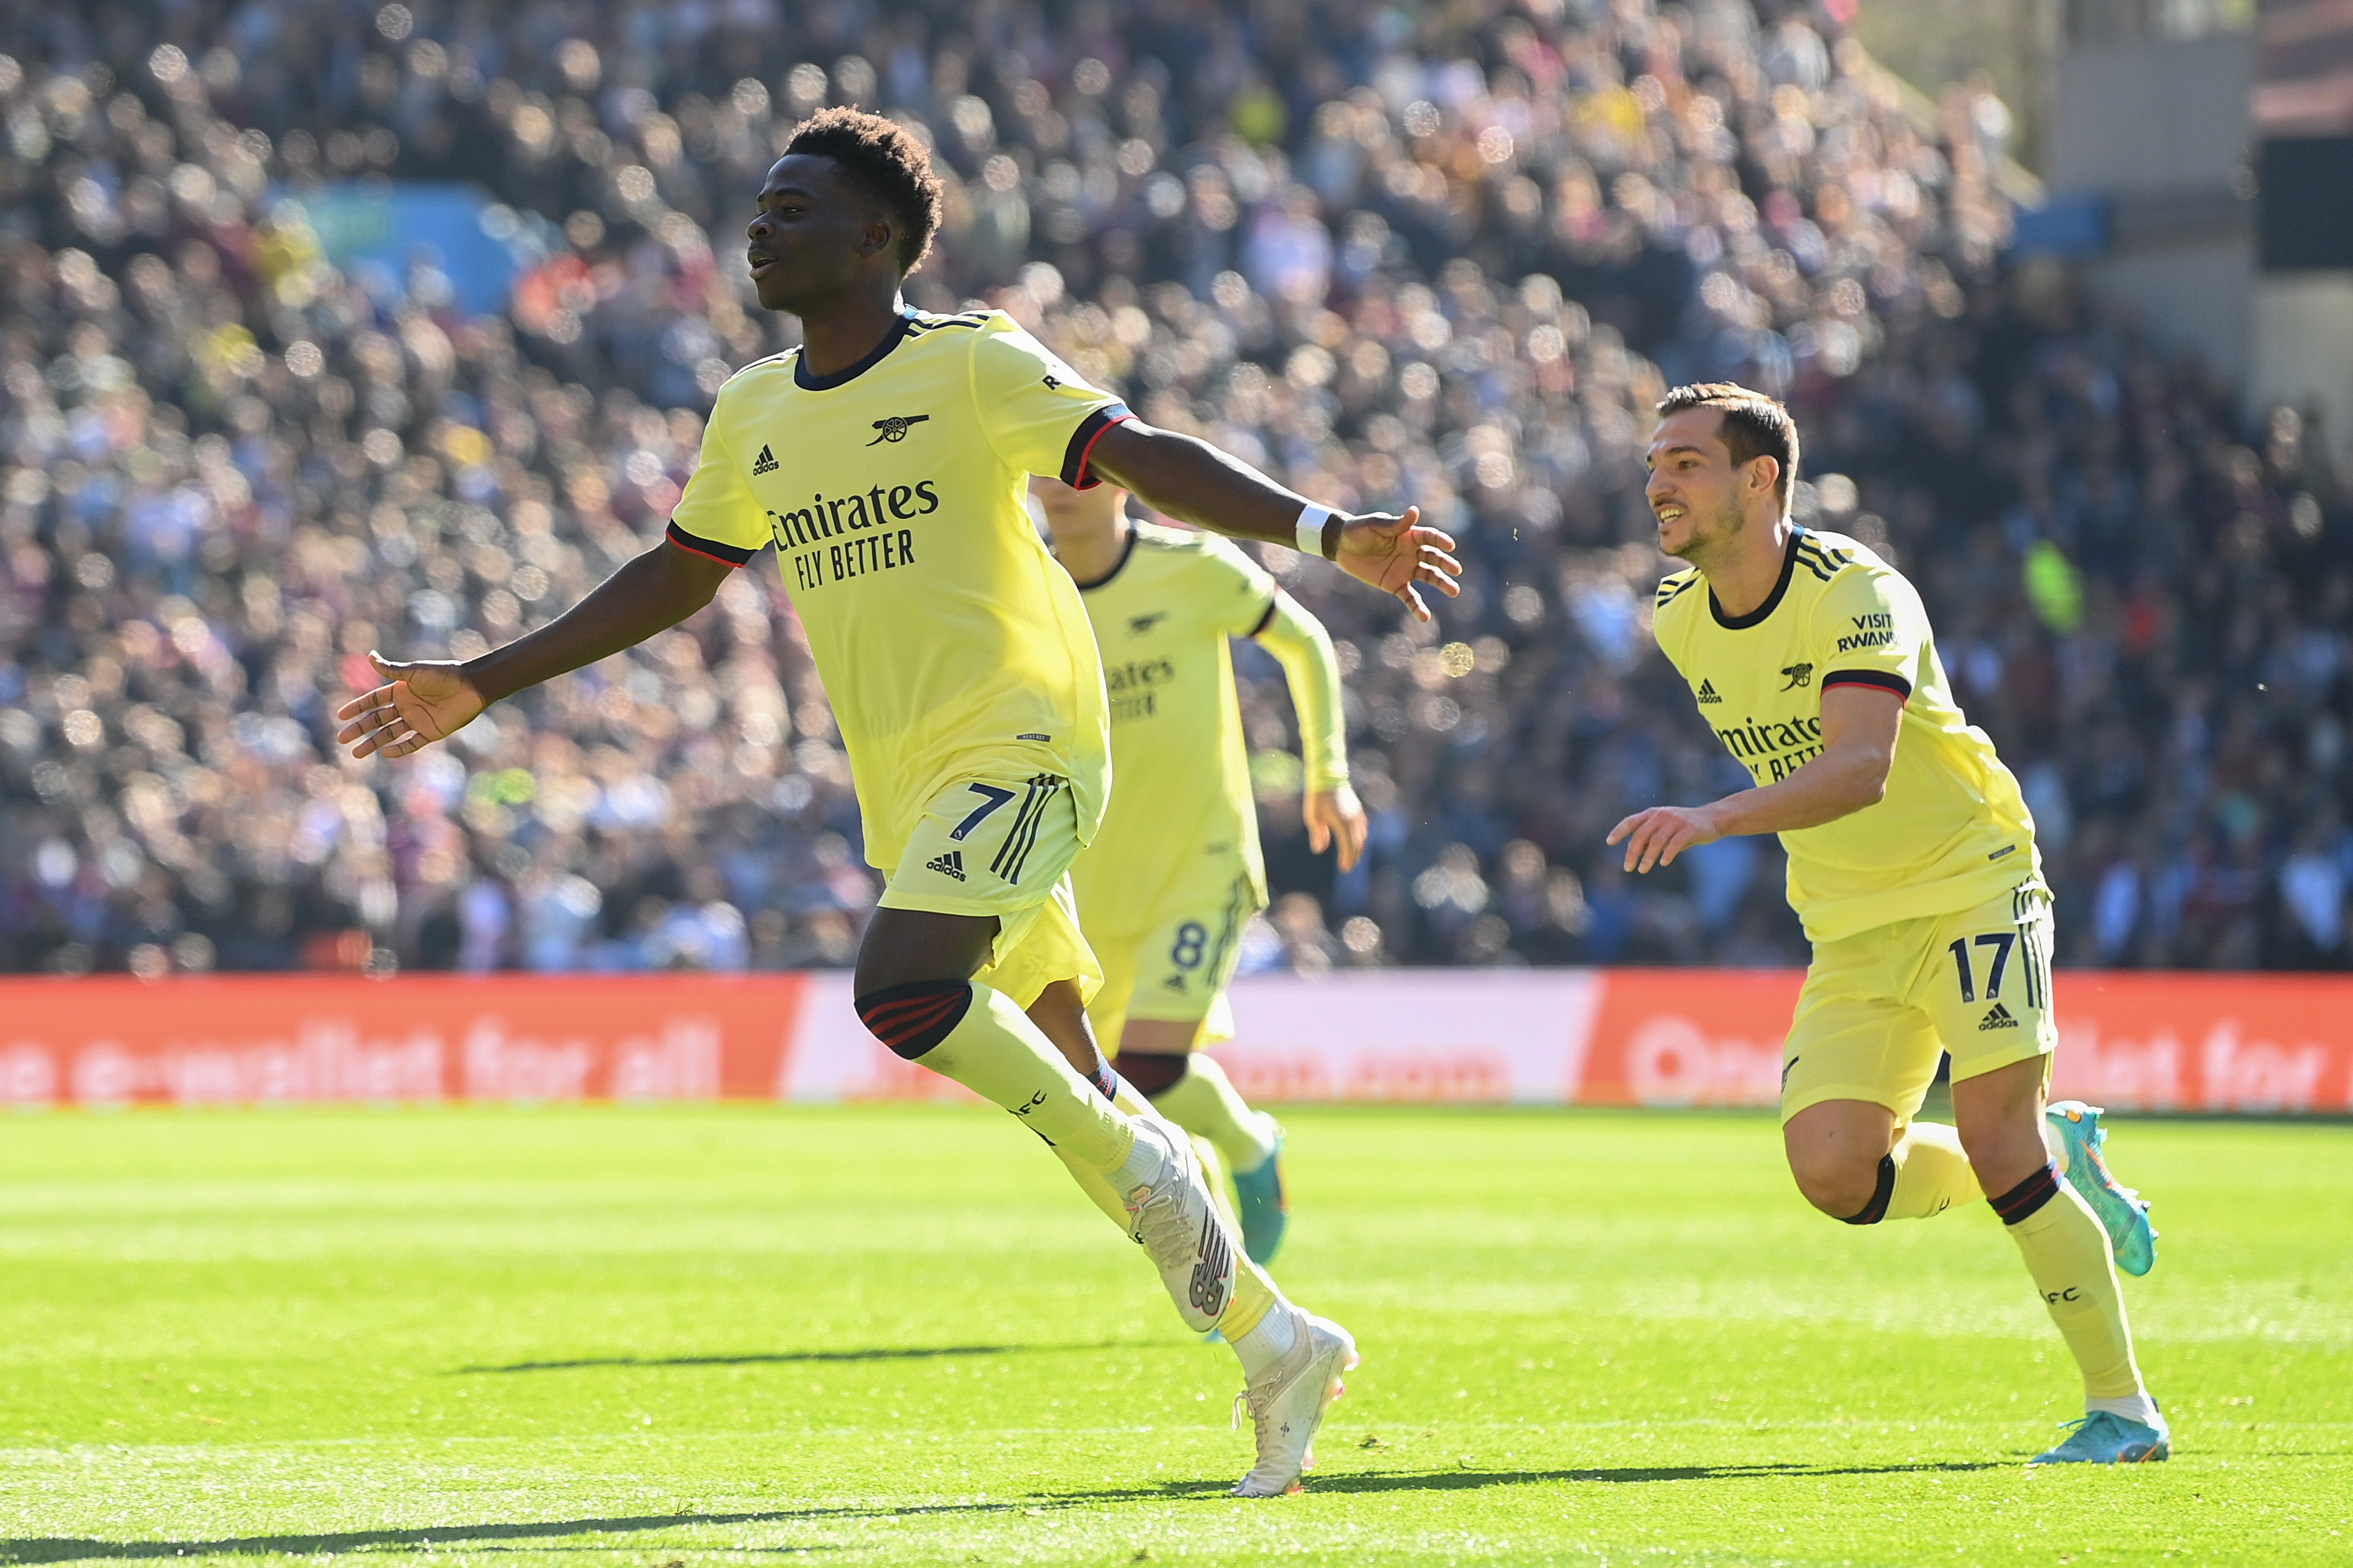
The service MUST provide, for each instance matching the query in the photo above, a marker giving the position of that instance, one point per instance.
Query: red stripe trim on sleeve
(1876, 678)
(1082, 444)
(709, 549)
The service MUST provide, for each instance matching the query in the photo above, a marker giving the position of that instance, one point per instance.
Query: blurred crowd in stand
(1447, 256)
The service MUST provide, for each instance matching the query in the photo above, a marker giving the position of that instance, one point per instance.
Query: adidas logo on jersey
(2000, 1018)
(765, 463)
(948, 865)
(1707, 692)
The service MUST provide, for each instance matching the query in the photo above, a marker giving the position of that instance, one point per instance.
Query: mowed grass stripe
(896, 1336)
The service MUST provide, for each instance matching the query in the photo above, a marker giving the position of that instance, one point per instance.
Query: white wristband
(1309, 537)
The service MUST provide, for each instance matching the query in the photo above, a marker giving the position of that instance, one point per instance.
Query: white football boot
(1287, 1401)
(1174, 1218)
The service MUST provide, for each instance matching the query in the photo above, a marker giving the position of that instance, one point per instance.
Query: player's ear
(1763, 475)
(881, 237)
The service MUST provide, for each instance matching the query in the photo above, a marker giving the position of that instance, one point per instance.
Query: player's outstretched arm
(1328, 806)
(1859, 730)
(1192, 480)
(431, 700)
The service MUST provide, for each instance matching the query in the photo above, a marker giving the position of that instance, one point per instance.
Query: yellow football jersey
(1161, 619)
(949, 641)
(1953, 830)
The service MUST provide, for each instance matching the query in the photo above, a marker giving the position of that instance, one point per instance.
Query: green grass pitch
(884, 1335)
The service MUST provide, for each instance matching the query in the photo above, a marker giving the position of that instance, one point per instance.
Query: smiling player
(1913, 864)
(885, 459)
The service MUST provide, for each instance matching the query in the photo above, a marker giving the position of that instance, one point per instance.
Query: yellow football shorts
(1003, 847)
(1878, 1007)
(1174, 965)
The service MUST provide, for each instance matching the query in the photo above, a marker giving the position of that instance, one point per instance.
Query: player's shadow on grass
(1471, 1480)
(1465, 1480)
(63, 1549)
(788, 1358)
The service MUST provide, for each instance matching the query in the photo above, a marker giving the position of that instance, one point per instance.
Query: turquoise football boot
(2121, 1212)
(1263, 1210)
(2103, 1438)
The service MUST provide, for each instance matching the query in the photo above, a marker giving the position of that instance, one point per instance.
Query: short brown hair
(1754, 427)
(885, 160)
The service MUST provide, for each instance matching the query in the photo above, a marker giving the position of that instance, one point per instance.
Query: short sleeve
(1040, 417)
(1237, 593)
(717, 516)
(1869, 628)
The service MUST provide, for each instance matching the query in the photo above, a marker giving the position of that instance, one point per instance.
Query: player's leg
(1174, 1002)
(1291, 1360)
(1192, 1091)
(1068, 1020)
(1061, 1015)
(960, 948)
(1918, 1171)
(1855, 1066)
(1052, 1013)
(2000, 1012)
(1157, 1055)
(2067, 1254)
(916, 992)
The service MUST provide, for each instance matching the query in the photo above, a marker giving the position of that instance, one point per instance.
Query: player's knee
(913, 1018)
(1151, 1073)
(1841, 1182)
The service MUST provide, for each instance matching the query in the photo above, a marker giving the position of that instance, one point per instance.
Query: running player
(1913, 864)
(1175, 872)
(885, 460)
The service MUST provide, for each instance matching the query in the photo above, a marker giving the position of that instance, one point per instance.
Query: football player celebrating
(885, 459)
(1912, 862)
(1175, 871)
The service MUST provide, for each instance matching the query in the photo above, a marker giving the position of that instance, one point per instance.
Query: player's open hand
(1334, 816)
(1394, 554)
(419, 703)
(1654, 837)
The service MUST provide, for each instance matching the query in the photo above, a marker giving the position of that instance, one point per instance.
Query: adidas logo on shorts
(765, 463)
(2000, 1018)
(948, 865)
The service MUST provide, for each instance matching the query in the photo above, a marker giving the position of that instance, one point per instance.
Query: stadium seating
(1390, 255)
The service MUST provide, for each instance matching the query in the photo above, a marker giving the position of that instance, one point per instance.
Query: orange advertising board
(2275, 1044)
(1688, 1036)
(2131, 1040)
(263, 1040)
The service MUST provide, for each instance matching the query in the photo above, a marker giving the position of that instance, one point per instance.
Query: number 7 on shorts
(991, 798)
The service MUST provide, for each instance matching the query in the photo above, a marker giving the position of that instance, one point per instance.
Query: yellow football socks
(2067, 1253)
(1204, 1100)
(1254, 1293)
(1932, 1174)
(998, 1054)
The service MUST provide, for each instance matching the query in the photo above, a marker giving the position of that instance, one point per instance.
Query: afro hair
(889, 162)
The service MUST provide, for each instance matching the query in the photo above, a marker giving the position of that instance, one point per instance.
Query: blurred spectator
(1440, 256)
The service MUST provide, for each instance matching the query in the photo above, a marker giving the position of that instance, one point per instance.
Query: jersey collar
(808, 383)
(1772, 600)
(1117, 566)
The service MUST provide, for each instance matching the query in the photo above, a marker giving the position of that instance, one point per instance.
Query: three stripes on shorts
(1014, 853)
